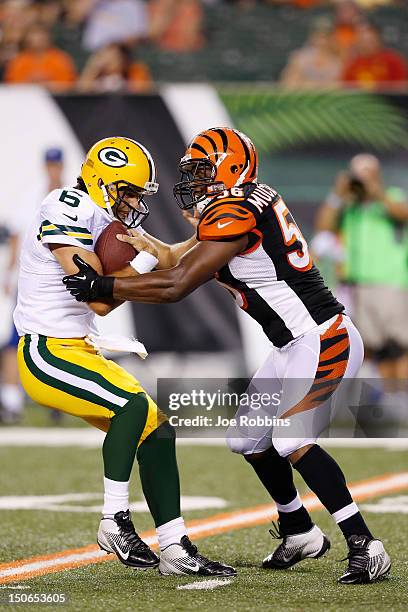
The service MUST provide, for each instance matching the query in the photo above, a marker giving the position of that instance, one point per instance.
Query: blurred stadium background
(312, 82)
(159, 71)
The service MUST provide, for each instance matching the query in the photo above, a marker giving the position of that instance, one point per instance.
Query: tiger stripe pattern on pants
(312, 377)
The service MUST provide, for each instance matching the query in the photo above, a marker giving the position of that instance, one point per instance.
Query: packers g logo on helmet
(113, 157)
(116, 169)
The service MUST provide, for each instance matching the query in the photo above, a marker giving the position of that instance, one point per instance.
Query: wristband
(334, 201)
(102, 287)
(144, 262)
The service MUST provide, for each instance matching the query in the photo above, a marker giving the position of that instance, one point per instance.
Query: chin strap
(106, 199)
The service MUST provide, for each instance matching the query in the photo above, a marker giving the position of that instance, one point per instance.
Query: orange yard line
(199, 528)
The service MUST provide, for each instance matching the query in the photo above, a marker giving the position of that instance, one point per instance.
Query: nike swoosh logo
(221, 225)
(191, 566)
(72, 218)
(121, 554)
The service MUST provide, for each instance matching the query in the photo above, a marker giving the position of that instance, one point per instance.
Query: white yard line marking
(93, 438)
(62, 503)
(208, 585)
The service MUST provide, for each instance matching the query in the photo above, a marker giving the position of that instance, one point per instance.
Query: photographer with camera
(371, 224)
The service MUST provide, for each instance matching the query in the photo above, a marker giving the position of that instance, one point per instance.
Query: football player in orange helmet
(215, 161)
(249, 241)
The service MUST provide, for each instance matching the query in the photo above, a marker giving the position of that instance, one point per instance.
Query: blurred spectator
(49, 12)
(68, 31)
(374, 66)
(115, 21)
(11, 394)
(315, 65)
(41, 62)
(112, 69)
(372, 222)
(177, 25)
(347, 18)
(305, 4)
(16, 16)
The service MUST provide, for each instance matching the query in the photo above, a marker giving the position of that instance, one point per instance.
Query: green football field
(226, 484)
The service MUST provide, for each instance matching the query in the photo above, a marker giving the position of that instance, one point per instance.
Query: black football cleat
(117, 535)
(185, 560)
(312, 544)
(368, 561)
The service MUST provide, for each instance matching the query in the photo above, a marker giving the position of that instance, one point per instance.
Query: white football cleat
(117, 535)
(184, 559)
(368, 561)
(294, 548)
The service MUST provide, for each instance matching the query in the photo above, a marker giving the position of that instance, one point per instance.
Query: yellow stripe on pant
(71, 376)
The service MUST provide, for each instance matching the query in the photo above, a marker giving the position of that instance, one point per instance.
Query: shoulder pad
(226, 218)
(67, 217)
(69, 201)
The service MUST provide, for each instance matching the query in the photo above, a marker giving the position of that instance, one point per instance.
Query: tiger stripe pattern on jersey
(333, 360)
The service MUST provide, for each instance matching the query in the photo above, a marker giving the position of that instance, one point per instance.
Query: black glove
(86, 285)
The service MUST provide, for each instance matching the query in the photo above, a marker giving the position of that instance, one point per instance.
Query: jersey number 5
(298, 259)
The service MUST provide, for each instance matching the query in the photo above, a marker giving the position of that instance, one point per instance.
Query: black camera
(357, 187)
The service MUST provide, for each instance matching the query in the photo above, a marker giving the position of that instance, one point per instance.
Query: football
(114, 255)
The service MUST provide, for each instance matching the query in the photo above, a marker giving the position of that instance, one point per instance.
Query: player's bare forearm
(125, 272)
(178, 250)
(170, 254)
(104, 307)
(195, 268)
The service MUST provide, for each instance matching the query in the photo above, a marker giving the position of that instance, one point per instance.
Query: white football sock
(345, 513)
(295, 504)
(171, 532)
(12, 398)
(116, 497)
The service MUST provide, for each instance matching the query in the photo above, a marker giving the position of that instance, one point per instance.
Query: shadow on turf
(299, 569)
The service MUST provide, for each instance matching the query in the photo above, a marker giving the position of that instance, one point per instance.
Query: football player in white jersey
(250, 242)
(60, 368)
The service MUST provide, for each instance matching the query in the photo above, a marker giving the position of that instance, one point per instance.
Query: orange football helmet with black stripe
(216, 160)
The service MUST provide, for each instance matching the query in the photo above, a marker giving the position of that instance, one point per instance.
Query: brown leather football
(114, 255)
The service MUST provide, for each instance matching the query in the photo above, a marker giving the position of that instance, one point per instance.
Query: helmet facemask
(116, 195)
(198, 183)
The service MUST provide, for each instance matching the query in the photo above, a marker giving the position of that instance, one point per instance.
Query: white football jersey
(44, 306)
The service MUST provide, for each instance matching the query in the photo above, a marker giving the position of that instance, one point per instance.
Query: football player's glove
(87, 285)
